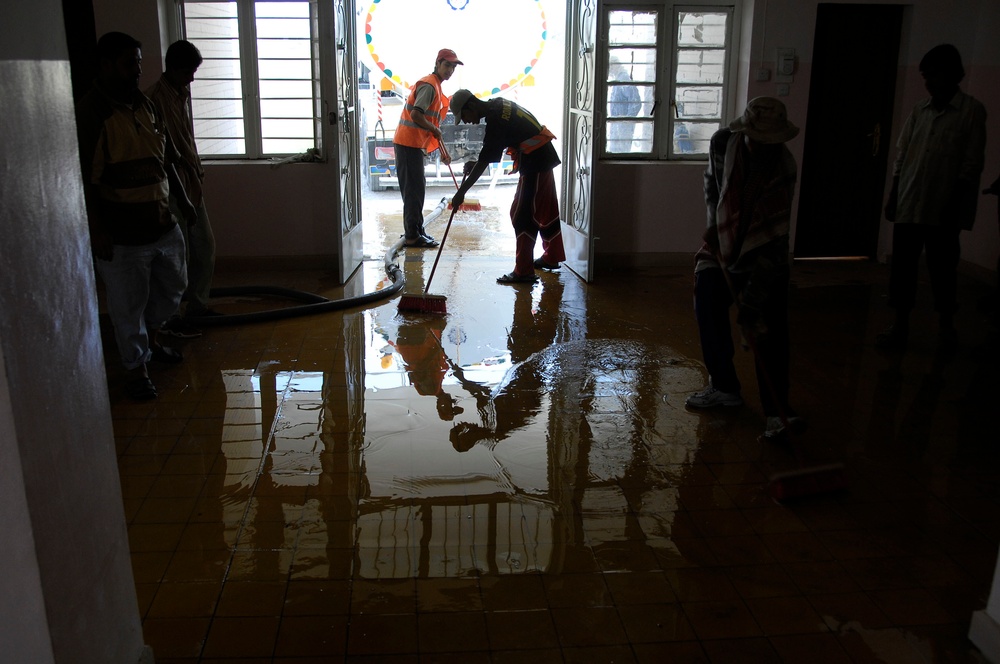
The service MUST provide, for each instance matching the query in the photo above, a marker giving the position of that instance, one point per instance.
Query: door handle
(876, 137)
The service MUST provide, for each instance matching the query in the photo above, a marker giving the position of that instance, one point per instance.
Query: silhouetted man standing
(128, 174)
(172, 96)
(934, 191)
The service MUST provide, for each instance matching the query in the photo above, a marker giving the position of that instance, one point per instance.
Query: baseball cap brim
(449, 55)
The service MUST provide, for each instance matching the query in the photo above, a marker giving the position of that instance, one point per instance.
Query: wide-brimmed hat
(765, 120)
(449, 55)
(458, 102)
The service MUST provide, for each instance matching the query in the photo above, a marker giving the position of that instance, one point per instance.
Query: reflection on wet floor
(518, 480)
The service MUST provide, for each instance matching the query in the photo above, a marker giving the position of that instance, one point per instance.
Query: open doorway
(520, 57)
(848, 144)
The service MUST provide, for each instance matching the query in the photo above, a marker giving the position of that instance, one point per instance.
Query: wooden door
(849, 137)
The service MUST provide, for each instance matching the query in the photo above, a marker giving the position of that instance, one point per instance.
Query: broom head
(470, 204)
(807, 482)
(427, 304)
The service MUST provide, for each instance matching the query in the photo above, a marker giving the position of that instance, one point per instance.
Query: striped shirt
(123, 155)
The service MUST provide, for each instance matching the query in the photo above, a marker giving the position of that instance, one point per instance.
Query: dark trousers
(943, 251)
(712, 302)
(410, 174)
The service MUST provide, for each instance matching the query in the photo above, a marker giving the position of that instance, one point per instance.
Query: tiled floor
(519, 481)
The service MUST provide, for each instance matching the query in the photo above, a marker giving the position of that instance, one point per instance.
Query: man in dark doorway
(935, 186)
(749, 185)
(172, 96)
(535, 209)
(128, 176)
(417, 135)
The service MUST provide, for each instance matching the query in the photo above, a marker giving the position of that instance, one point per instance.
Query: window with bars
(666, 79)
(257, 92)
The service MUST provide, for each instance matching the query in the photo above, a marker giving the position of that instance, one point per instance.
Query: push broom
(424, 302)
(804, 480)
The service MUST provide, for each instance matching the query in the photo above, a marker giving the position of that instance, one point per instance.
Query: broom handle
(774, 395)
(444, 238)
(758, 364)
(444, 151)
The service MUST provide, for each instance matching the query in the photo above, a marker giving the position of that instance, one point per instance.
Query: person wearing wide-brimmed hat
(749, 185)
(417, 135)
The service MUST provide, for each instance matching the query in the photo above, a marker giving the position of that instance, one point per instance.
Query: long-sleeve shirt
(748, 202)
(737, 227)
(939, 152)
(174, 106)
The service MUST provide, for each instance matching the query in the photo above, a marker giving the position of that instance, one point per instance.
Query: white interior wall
(142, 19)
(258, 210)
(24, 629)
(66, 593)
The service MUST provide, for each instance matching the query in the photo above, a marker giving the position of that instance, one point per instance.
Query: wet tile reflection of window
(242, 433)
(298, 426)
(449, 541)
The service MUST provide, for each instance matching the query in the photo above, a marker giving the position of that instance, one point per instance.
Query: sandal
(513, 278)
(141, 388)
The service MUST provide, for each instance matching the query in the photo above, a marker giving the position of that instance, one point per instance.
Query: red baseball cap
(449, 55)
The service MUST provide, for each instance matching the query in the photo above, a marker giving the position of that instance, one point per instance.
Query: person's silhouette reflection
(418, 342)
(517, 400)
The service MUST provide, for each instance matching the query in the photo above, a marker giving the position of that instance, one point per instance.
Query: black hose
(313, 304)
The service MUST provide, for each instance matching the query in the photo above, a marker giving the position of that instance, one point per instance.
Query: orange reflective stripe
(529, 145)
(429, 114)
(408, 132)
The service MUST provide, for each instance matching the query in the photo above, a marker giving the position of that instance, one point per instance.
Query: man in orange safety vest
(417, 135)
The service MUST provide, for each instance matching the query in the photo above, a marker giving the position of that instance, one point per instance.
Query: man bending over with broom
(749, 184)
(535, 209)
